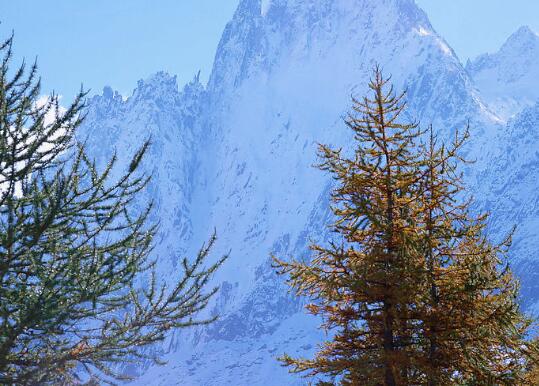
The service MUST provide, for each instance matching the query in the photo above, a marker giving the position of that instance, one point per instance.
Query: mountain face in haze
(509, 79)
(508, 190)
(236, 155)
(157, 111)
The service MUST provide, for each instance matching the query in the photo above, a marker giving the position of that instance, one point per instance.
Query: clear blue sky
(117, 42)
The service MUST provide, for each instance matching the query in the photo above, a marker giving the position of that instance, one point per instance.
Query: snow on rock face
(237, 155)
(159, 111)
(280, 85)
(337, 42)
(509, 79)
(507, 188)
(265, 6)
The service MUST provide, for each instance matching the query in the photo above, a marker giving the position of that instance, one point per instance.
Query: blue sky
(117, 42)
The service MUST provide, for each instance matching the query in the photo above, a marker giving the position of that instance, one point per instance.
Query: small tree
(72, 247)
(414, 293)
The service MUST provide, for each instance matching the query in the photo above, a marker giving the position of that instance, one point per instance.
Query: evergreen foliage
(415, 294)
(72, 247)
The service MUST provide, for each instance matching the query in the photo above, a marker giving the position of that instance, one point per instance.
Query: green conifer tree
(72, 246)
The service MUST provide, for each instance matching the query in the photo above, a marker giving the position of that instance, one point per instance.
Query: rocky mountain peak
(160, 85)
(509, 78)
(522, 39)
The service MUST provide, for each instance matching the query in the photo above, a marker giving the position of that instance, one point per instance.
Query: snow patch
(422, 31)
(50, 116)
(265, 6)
(445, 48)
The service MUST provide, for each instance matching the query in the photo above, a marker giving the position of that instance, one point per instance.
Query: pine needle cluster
(72, 247)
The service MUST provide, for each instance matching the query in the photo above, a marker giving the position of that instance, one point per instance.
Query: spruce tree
(413, 293)
(72, 246)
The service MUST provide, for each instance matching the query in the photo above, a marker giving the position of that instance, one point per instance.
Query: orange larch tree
(413, 293)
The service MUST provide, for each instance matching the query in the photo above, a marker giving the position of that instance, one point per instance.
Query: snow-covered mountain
(509, 79)
(508, 188)
(159, 111)
(237, 155)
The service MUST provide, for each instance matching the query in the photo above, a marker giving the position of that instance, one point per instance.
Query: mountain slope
(507, 188)
(237, 155)
(159, 111)
(509, 79)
